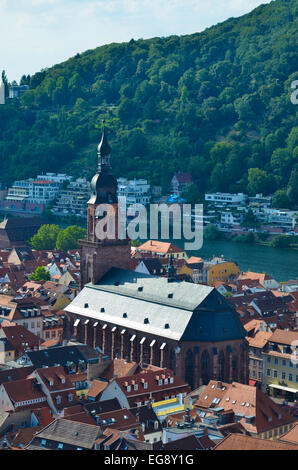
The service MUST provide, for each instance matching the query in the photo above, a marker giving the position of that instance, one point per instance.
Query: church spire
(104, 184)
(103, 149)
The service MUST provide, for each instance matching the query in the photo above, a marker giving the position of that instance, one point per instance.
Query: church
(189, 328)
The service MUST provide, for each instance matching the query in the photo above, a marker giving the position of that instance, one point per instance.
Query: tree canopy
(215, 103)
(50, 237)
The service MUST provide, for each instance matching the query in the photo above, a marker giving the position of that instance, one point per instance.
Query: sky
(35, 34)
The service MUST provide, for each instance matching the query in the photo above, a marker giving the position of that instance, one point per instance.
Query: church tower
(99, 254)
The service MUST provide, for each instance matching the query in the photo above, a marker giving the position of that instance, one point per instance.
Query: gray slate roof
(194, 312)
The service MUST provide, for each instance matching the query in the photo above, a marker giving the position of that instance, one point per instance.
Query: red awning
(252, 383)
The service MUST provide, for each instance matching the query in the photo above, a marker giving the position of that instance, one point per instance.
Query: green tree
(68, 239)
(40, 274)
(280, 200)
(211, 232)
(281, 241)
(46, 237)
(259, 181)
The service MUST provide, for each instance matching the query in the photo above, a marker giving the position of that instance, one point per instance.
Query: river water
(282, 264)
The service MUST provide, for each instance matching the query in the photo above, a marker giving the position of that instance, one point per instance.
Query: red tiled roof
(248, 401)
(21, 338)
(243, 442)
(23, 391)
(97, 387)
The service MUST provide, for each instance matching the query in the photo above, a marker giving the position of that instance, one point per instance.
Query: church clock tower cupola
(99, 254)
(103, 184)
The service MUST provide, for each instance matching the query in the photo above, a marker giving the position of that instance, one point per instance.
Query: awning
(281, 387)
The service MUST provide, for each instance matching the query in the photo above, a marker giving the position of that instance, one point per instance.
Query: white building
(56, 178)
(231, 218)
(135, 192)
(260, 200)
(282, 218)
(73, 199)
(227, 198)
(43, 191)
(17, 91)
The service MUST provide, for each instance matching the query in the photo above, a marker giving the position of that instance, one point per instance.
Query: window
(268, 373)
(135, 387)
(275, 373)
(291, 377)
(70, 397)
(284, 362)
(268, 359)
(60, 446)
(283, 375)
(276, 361)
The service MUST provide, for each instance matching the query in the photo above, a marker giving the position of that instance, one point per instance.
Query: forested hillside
(215, 103)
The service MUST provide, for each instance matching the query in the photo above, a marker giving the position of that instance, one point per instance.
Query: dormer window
(128, 389)
(135, 387)
(160, 382)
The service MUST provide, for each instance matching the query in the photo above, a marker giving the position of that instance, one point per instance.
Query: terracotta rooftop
(97, 387)
(259, 340)
(119, 368)
(284, 337)
(243, 442)
(257, 411)
(291, 436)
(159, 247)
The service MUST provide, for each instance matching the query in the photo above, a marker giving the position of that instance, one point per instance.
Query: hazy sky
(40, 33)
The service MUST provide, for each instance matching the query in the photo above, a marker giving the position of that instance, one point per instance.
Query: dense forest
(215, 103)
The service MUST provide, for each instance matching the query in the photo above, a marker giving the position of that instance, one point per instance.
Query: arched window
(205, 367)
(173, 360)
(235, 368)
(221, 366)
(189, 368)
(146, 352)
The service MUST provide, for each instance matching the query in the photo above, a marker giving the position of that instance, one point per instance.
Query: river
(282, 264)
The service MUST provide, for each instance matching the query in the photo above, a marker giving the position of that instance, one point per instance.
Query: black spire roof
(103, 184)
(103, 148)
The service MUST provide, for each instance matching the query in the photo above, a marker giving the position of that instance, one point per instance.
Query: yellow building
(7, 351)
(220, 270)
(280, 375)
(194, 268)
